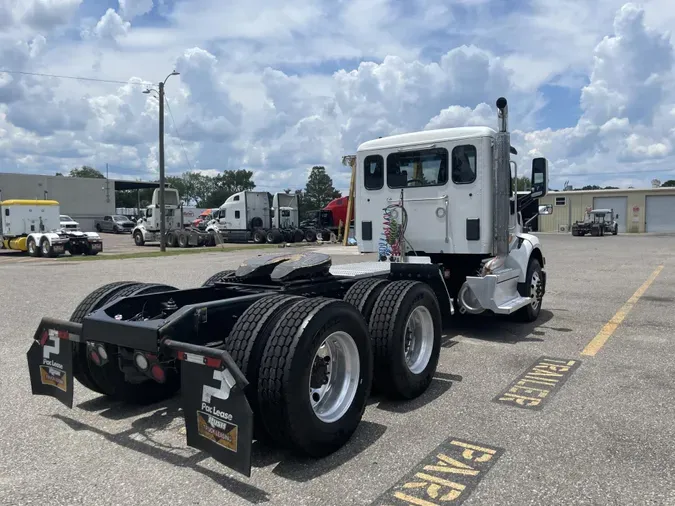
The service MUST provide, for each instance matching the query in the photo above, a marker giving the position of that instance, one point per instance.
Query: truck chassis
(286, 348)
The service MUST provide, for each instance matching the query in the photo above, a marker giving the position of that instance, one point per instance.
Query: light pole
(162, 210)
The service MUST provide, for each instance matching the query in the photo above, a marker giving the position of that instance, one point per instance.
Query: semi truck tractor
(34, 226)
(288, 347)
(178, 233)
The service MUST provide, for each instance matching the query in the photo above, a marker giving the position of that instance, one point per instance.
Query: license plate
(58, 248)
(96, 246)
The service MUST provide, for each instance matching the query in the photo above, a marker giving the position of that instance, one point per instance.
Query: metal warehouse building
(83, 199)
(639, 210)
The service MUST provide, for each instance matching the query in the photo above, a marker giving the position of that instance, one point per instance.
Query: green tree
(523, 184)
(669, 184)
(227, 184)
(86, 171)
(319, 190)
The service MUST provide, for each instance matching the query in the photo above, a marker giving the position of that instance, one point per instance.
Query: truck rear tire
(298, 235)
(405, 327)
(93, 301)
(246, 343)
(32, 248)
(363, 295)
(218, 276)
(310, 403)
(310, 235)
(259, 236)
(112, 379)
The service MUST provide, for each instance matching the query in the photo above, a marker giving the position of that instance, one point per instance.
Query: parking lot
(604, 433)
(113, 245)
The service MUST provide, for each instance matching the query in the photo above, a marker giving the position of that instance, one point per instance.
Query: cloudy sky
(276, 87)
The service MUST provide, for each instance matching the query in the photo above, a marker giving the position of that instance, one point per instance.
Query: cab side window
(373, 172)
(464, 164)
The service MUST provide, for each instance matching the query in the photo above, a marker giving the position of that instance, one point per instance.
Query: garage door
(660, 213)
(620, 206)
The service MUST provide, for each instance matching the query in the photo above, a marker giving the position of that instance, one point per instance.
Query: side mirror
(539, 178)
(617, 216)
(546, 210)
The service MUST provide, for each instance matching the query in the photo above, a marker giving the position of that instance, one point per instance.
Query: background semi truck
(34, 226)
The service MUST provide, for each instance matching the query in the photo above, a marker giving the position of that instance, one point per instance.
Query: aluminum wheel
(535, 283)
(334, 377)
(419, 339)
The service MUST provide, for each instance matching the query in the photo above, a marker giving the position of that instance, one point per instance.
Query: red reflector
(44, 337)
(95, 358)
(157, 373)
(181, 355)
(213, 362)
(63, 334)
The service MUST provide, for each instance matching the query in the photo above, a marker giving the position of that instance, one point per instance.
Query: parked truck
(178, 233)
(34, 226)
(243, 217)
(287, 347)
(597, 222)
(326, 221)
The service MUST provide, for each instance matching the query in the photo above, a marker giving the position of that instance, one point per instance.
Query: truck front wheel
(533, 287)
(138, 238)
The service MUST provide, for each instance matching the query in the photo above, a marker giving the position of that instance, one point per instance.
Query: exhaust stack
(502, 191)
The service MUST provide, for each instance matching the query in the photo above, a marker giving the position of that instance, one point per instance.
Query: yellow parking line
(599, 340)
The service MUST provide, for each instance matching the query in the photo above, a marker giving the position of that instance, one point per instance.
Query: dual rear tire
(311, 362)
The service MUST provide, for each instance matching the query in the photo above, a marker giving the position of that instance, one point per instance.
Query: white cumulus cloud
(276, 88)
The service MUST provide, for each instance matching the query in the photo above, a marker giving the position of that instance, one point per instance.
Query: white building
(83, 199)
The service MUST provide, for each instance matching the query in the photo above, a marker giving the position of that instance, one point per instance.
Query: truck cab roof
(427, 136)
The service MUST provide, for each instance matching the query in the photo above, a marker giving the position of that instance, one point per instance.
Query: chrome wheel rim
(419, 339)
(334, 377)
(534, 289)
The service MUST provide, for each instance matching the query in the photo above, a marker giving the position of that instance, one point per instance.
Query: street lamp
(162, 210)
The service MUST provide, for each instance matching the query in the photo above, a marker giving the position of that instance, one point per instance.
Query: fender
(92, 235)
(525, 246)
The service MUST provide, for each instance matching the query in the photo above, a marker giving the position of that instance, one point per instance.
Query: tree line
(204, 191)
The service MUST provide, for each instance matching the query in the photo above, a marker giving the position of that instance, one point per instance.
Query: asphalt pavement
(601, 430)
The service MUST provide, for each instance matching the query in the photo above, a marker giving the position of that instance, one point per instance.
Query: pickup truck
(116, 223)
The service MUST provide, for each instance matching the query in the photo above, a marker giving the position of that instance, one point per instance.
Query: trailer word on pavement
(447, 475)
(539, 383)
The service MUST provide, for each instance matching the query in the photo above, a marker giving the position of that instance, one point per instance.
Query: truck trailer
(34, 226)
(287, 347)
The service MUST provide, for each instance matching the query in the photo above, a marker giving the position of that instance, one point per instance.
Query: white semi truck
(243, 217)
(247, 216)
(287, 347)
(34, 226)
(178, 233)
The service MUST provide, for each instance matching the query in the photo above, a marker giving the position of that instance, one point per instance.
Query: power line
(175, 128)
(77, 78)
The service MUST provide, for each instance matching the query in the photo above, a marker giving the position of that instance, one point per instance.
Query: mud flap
(50, 359)
(218, 417)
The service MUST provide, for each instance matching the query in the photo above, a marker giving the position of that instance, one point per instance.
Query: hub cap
(535, 289)
(419, 339)
(334, 377)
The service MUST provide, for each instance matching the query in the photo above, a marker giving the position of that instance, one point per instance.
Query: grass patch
(168, 253)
